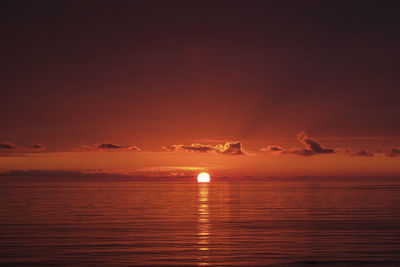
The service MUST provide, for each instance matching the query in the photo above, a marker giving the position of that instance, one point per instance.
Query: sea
(277, 222)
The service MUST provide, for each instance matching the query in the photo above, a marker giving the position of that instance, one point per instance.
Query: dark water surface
(222, 223)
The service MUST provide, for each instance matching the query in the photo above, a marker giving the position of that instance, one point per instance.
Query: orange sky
(141, 85)
(233, 160)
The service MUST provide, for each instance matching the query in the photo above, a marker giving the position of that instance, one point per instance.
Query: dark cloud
(273, 149)
(7, 146)
(229, 148)
(197, 148)
(359, 153)
(301, 151)
(393, 152)
(311, 145)
(107, 146)
(39, 147)
(310, 148)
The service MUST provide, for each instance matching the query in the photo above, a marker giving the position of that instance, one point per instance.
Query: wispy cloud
(229, 148)
(189, 148)
(7, 148)
(358, 153)
(273, 149)
(107, 146)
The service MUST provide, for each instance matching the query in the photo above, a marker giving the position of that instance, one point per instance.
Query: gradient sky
(154, 85)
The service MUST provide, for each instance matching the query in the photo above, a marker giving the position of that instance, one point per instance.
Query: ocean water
(278, 223)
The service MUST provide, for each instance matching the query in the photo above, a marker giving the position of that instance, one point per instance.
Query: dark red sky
(156, 73)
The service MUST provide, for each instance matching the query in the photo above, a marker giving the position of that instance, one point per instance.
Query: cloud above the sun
(273, 149)
(229, 148)
(108, 146)
(310, 147)
(9, 148)
(393, 152)
(307, 147)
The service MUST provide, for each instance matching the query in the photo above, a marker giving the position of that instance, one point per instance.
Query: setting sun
(203, 177)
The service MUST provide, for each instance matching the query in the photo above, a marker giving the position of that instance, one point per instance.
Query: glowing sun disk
(203, 177)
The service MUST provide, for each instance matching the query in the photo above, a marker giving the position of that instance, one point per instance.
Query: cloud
(301, 151)
(7, 147)
(107, 146)
(191, 148)
(171, 148)
(393, 152)
(38, 147)
(273, 149)
(310, 148)
(359, 153)
(198, 148)
(134, 148)
(229, 148)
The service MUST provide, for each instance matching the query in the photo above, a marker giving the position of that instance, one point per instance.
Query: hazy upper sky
(136, 76)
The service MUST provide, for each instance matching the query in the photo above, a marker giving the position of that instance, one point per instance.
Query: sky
(236, 88)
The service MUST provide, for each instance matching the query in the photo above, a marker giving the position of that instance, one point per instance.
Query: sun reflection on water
(203, 224)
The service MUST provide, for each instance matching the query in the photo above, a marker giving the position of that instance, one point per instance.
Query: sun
(203, 177)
